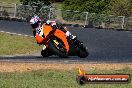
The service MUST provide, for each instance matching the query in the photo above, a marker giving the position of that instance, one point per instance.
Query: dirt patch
(20, 67)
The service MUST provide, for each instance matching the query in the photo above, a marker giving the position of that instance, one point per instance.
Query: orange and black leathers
(48, 30)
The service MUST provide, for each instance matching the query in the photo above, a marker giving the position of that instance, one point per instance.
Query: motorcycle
(58, 44)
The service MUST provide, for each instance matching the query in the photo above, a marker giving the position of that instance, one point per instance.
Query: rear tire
(82, 51)
(83, 54)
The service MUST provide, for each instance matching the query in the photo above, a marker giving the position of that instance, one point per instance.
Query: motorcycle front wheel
(46, 53)
(57, 47)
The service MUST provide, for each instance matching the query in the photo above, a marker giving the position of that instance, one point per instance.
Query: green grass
(13, 44)
(54, 79)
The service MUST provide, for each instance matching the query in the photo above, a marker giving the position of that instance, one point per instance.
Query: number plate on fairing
(56, 42)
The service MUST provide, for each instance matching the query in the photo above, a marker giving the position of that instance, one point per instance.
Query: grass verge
(55, 79)
(13, 44)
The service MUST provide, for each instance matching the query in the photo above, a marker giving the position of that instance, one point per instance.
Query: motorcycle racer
(36, 24)
(56, 40)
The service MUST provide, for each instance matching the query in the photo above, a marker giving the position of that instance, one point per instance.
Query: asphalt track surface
(103, 45)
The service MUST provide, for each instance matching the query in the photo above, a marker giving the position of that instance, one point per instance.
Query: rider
(36, 23)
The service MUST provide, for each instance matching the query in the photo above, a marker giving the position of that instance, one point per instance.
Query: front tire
(55, 50)
(46, 53)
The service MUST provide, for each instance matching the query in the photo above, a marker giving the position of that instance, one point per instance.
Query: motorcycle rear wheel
(82, 51)
(83, 54)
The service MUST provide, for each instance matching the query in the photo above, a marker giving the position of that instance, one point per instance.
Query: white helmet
(34, 20)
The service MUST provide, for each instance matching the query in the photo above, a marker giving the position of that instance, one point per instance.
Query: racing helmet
(34, 21)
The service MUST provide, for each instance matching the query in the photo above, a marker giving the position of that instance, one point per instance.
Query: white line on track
(15, 34)
(2, 31)
(19, 34)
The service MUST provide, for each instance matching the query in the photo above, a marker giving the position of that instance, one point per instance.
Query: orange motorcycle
(56, 43)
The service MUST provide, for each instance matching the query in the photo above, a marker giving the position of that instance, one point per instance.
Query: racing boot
(44, 47)
(73, 37)
(68, 34)
(76, 41)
